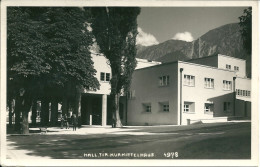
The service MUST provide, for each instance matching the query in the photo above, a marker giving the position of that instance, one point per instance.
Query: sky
(159, 24)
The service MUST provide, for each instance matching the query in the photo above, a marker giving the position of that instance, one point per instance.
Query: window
(164, 80)
(226, 85)
(209, 83)
(107, 76)
(237, 92)
(166, 107)
(227, 106)
(208, 108)
(228, 66)
(245, 93)
(104, 76)
(186, 108)
(148, 108)
(236, 68)
(189, 80)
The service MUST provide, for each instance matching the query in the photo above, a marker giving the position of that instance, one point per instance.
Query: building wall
(243, 103)
(145, 84)
(101, 65)
(224, 60)
(198, 95)
(208, 61)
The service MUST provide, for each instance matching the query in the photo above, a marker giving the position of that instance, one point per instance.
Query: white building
(209, 89)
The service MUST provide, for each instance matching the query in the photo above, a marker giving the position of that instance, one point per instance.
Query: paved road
(206, 141)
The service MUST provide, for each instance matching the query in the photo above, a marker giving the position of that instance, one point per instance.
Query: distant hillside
(224, 40)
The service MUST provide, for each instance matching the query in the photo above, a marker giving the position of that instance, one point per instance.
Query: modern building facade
(95, 105)
(208, 89)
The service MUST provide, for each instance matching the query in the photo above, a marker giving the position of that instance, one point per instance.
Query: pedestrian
(66, 121)
(113, 122)
(62, 122)
(74, 121)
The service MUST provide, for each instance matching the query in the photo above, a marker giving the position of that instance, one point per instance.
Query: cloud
(183, 36)
(145, 39)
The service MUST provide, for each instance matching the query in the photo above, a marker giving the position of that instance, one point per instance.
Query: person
(74, 121)
(62, 122)
(66, 121)
(113, 122)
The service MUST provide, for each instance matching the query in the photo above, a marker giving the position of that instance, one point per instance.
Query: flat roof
(194, 64)
(216, 56)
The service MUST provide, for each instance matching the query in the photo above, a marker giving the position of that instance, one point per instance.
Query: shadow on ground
(225, 141)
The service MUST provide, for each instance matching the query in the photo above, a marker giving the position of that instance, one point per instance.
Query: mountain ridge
(225, 40)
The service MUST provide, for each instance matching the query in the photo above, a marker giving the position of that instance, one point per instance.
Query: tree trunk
(64, 105)
(45, 112)
(34, 112)
(10, 106)
(25, 124)
(54, 111)
(115, 110)
(77, 104)
(17, 112)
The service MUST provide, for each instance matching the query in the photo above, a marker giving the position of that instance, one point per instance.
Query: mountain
(224, 40)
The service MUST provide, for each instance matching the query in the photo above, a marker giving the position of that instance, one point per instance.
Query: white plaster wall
(145, 82)
(100, 64)
(243, 103)
(223, 60)
(243, 84)
(200, 95)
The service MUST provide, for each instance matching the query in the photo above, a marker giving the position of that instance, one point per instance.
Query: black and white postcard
(129, 83)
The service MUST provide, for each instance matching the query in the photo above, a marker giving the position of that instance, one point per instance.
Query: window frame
(102, 76)
(209, 83)
(107, 77)
(236, 68)
(189, 80)
(227, 85)
(228, 66)
(164, 80)
(147, 107)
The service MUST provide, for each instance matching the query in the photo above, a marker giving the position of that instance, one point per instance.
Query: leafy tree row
(48, 57)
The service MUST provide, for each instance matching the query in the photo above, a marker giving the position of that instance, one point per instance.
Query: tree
(47, 50)
(246, 29)
(246, 33)
(115, 30)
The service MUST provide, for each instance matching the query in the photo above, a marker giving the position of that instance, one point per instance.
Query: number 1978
(171, 154)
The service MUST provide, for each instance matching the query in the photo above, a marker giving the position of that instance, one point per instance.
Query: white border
(142, 3)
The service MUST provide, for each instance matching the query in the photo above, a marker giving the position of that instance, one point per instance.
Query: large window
(227, 106)
(227, 85)
(245, 93)
(209, 83)
(104, 76)
(164, 80)
(189, 80)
